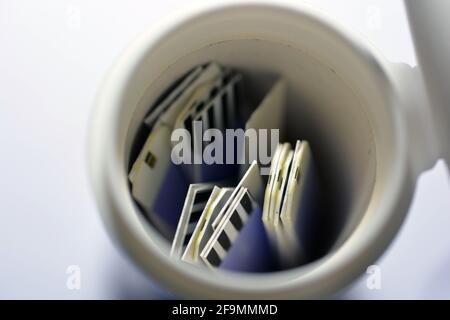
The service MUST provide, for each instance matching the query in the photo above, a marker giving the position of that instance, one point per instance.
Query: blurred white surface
(53, 57)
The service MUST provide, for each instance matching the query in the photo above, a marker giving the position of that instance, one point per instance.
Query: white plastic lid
(430, 25)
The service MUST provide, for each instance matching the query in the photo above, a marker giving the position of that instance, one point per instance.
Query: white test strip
(204, 230)
(285, 166)
(149, 169)
(226, 234)
(301, 165)
(266, 217)
(277, 182)
(196, 200)
(283, 197)
(252, 181)
(283, 249)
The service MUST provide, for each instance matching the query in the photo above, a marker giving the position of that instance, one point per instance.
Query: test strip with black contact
(196, 200)
(226, 234)
(212, 117)
(196, 110)
(197, 105)
(252, 181)
(203, 231)
(220, 113)
(195, 92)
(150, 174)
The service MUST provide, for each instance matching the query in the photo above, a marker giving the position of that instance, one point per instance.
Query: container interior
(333, 101)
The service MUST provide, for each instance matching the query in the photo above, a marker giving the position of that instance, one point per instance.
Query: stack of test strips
(223, 216)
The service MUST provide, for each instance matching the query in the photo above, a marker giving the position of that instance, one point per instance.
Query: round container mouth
(347, 104)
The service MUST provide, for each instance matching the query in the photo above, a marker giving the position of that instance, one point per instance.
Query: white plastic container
(369, 120)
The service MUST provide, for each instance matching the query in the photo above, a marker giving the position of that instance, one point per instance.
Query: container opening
(321, 107)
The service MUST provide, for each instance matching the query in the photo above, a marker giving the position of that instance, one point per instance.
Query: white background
(53, 55)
